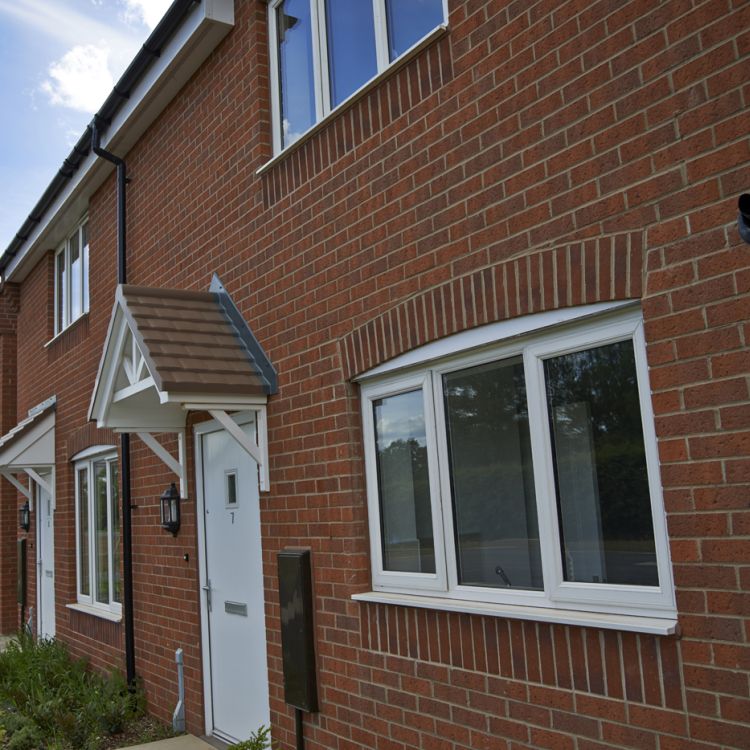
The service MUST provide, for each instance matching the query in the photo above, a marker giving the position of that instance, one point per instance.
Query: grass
(50, 701)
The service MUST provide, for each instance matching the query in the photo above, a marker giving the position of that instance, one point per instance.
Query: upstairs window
(323, 51)
(72, 279)
(525, 473)
(98, 532)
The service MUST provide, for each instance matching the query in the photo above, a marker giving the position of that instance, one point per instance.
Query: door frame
(200, 431)
(36, 492)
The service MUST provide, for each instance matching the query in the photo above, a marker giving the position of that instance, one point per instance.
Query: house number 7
(232, 514)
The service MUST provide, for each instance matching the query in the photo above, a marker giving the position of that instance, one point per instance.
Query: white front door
(233, 614)
(45, 516)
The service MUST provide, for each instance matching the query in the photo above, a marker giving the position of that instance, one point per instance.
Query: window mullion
(447, 538)
(275, 77)
(110, 573)
(65, 286)
(438, 493)
(92, 531)
(544, 480)
(381, 34)
(77, 493)
(80, 269)
(320, 59)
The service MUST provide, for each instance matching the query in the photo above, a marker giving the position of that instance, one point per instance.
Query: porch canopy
(169, 351)
(29, 448)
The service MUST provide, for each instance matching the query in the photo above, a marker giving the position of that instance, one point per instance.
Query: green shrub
(260, 740)
(49, 701)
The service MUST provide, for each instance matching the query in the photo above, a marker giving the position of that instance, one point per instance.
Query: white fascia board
(36, 448)
(202, 30)
(107, 372)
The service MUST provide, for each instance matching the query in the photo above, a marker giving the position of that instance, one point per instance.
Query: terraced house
(448, 294)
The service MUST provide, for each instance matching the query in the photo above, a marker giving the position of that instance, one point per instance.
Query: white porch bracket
(175, 465)
(25, 491)
(258, 450)
(41, 481)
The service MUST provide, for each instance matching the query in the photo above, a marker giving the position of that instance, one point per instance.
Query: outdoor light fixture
(170, 509)
(743, 220)
(24, 517)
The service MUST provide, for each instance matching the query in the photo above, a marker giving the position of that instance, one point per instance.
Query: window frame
(534, 346)
(397, 580)
(86, 463)
(66, 319)
(320, 63)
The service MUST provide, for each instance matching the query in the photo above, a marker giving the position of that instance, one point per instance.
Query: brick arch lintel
(86, 436)
(600, 269)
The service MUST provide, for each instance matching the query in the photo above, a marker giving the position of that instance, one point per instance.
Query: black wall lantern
(24, 517)
(170, 509)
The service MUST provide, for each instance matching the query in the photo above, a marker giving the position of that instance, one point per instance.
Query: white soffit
(31, 443)
(199, 35)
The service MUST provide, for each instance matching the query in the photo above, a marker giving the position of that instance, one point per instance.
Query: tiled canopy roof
(189, 342)
(168, 351)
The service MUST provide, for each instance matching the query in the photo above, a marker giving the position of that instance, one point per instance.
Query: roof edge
(246, 336)
(120, 103)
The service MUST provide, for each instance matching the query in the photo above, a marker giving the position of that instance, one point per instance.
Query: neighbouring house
(448, 293)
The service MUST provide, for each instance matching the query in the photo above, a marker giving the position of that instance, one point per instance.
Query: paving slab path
(185, 742)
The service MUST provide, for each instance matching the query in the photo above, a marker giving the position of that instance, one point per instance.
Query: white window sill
(89, 609)
(358, 94)
(652, 625)
(67, 328)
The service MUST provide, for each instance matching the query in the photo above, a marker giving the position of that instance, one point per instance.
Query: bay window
(323, 51)
(520, 472)
(98, 532)
(72, 278)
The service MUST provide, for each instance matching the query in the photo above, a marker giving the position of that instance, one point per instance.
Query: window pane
(83, 530)
(409, 21)
(351, 46)
(85, 259)
(296, 79)
(115, 522)
(231, 488)
(492, 482)
(600, 467)
(403, 482)
(75, 278)
(101, 553)
(61, 282)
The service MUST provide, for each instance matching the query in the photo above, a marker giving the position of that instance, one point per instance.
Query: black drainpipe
(127, 539)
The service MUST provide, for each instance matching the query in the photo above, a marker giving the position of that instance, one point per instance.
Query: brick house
(450, 294)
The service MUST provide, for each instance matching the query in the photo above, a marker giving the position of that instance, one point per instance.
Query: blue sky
(59, 59)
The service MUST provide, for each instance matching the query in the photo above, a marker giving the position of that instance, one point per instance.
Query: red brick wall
(536, 156)
(9, 498)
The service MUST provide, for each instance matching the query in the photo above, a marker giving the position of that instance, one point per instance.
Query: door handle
(207, 589)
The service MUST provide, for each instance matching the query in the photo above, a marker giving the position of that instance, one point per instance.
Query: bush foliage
(49, 701)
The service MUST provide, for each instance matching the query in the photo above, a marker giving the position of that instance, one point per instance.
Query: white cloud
(148, 12)
(58, 21)
(81, 79)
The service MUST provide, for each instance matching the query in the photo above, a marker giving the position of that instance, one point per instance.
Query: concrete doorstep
(185, 742)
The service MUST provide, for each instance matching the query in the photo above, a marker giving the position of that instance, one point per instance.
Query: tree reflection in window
(600, 467)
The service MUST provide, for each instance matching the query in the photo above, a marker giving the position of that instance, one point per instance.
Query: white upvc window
(521, 473)
(72, 278)
(323, 51)
(98, 532)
